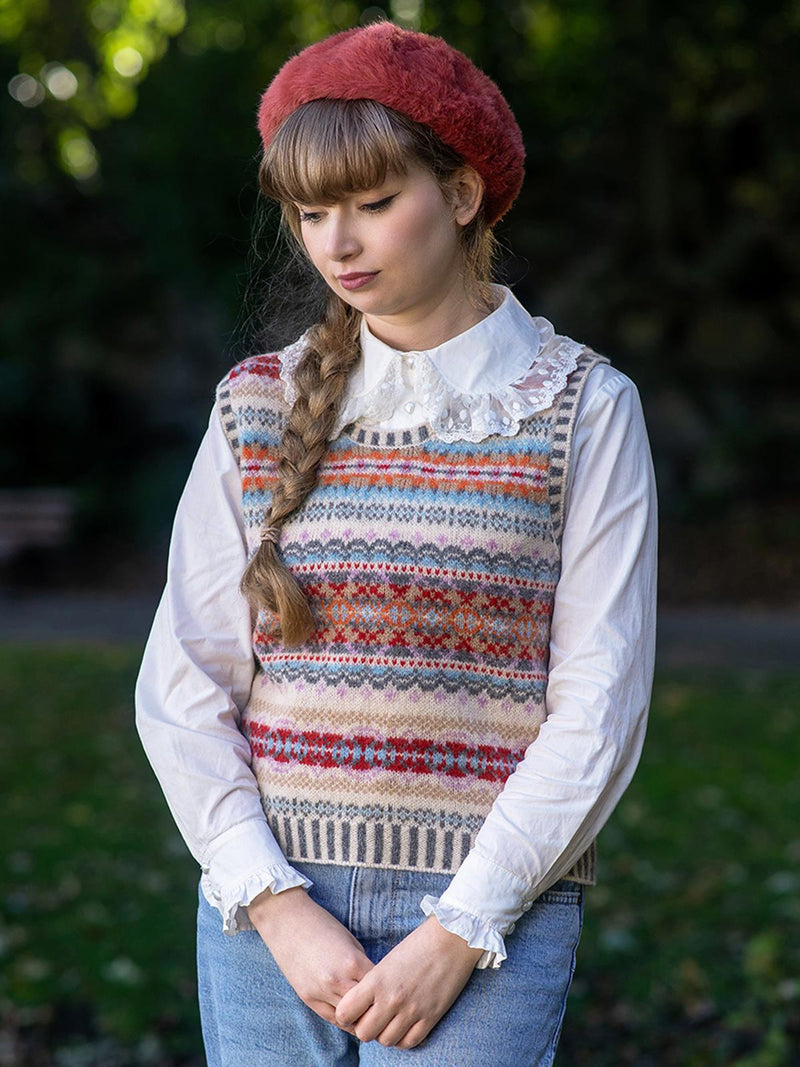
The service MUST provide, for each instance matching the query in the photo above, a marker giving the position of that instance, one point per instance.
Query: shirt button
(527, 905)
(409, 406)
(409, 360)
(512, 928)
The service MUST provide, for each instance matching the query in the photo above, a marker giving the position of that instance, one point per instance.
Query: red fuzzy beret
(420, 76)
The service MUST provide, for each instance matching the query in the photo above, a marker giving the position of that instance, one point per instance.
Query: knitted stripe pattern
(431, 569)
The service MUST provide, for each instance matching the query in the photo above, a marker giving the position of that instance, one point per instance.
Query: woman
(392, 750)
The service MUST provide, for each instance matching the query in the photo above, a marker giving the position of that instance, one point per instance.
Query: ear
(467, 194)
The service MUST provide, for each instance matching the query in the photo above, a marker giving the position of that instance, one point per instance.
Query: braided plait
(319, 382)
(324, 150)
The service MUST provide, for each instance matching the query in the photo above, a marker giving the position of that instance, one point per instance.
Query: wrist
(269, 907)
(453, 942)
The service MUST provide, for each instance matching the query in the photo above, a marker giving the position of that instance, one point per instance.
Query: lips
(357, 279)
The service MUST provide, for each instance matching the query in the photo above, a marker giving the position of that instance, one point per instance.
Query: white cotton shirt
(198, 664)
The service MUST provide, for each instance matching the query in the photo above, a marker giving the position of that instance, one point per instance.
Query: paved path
(728, 637)
(716, 637)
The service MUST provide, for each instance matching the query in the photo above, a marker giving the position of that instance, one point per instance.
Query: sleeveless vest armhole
(245, 393)
(227, 416)
(567, 404)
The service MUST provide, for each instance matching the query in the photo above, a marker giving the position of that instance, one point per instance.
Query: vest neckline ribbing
(368, 437)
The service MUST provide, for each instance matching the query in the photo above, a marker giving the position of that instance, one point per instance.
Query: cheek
(434, 229)
(309, 245)
(423, 239)
(313, 245)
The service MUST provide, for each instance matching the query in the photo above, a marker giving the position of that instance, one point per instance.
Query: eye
(310, 216)
(376, 206)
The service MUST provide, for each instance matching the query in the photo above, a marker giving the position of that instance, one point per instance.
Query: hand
(401, 999)
(319, 957)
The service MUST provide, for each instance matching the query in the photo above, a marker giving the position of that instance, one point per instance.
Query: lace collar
(484, 381)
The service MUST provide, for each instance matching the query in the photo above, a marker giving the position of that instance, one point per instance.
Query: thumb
(353, 1004)
(355, 971)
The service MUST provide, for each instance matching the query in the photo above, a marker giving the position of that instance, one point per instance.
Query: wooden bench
(34, 518)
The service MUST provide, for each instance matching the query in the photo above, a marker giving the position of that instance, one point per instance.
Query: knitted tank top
(431, 570)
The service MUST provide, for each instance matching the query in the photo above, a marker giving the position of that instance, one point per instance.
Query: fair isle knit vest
(431, 569)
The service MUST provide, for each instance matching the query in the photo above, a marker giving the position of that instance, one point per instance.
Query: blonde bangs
(328, 149)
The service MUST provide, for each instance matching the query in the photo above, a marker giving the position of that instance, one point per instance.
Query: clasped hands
(396, 1002)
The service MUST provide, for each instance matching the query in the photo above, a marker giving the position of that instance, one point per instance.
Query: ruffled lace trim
(477, 934)
(288, 358)
(233, 902)
(450, 414)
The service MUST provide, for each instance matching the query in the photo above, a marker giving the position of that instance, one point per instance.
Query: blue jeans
(509, 1017)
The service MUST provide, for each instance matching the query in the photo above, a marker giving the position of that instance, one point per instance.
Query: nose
(341, 240)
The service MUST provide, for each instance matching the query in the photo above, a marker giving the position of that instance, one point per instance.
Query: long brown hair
(325, 150)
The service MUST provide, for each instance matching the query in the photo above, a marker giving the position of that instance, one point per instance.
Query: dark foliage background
(659, 223)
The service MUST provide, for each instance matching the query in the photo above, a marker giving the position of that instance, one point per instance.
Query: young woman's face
(394, 253)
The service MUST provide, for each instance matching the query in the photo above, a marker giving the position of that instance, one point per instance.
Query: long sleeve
(600, 677)
(194, 681)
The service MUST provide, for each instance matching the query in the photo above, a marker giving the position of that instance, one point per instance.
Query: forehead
(322, 154)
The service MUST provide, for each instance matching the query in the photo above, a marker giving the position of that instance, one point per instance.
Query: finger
(325, 1011)
(340, 988)
(353, 1004)
(415, 1035)
(376, 1020)
(395, 1032)
(328, 1013)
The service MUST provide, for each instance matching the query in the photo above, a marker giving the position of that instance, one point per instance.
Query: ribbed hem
(351, 842)
(584, 870)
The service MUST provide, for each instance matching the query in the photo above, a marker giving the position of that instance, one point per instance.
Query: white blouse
(198, 664)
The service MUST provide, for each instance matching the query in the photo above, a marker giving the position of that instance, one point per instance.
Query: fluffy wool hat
(420, 76)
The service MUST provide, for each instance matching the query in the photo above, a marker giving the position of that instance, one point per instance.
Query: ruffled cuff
(476, 933)
(232, 901)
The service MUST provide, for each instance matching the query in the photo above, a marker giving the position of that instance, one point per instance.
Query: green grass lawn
(691, 947)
